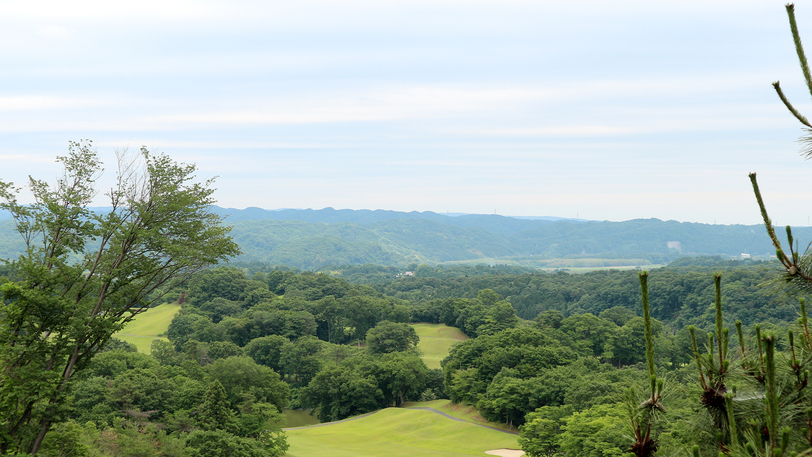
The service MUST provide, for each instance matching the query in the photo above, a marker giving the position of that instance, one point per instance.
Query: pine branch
(717, 280)
(799, 47)
(767, 222)
(795, 112)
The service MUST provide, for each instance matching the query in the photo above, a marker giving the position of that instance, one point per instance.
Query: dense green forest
(566, 358)
(679, 292)
(556, 351)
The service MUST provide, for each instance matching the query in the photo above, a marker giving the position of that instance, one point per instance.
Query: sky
(597, 110)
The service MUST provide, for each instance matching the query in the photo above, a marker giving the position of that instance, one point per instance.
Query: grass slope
(398, 432)
(462, 411)
(435, 342)
(147, 326)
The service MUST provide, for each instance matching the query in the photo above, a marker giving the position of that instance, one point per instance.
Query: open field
(398, 432)
(147, 326)
(435, 341)
(588, 269)
(575, 265)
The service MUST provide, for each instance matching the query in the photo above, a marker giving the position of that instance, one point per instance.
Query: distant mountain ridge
(311, 239)
(493, 222)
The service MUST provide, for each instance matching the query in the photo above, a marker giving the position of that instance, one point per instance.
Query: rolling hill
(310, 239)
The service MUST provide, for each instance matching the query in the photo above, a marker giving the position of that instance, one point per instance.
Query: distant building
(745, 256)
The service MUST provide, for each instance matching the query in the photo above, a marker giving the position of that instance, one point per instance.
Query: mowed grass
(148, 325)
(398, 432)
(435, 342)
(460, 411)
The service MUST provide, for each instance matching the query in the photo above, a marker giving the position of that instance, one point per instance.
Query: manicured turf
(398, 432)
(147, 326)
(435, 341)
(460, 411)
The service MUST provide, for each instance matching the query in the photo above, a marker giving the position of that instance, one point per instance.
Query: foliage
(128, 440)
(215, 412)
(341, 392)
(391, 337)
(68, 439)
(540, 433)
(84, 274)
(483, 370)
(596, 432)
(678, 294)
(364, 383)
(219, 443)
(242, 378)
(134, 396)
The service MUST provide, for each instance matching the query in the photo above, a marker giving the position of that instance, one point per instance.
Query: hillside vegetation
(310, 239)
(551, 355)
(404, 241)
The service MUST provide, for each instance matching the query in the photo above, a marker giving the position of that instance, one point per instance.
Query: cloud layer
(627, 110)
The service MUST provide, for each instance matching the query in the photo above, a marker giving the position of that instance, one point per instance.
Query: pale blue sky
(601, 110)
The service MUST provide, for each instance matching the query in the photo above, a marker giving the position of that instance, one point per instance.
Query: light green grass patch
(435, 342)
(460, 411)
(398, 432)
(148, 325)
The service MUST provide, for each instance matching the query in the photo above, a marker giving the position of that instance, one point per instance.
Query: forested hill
(311, 239)
(314, 238)
(501, 225)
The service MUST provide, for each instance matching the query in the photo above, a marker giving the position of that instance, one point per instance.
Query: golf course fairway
(397, 432)
(148, 325)
(435, 342)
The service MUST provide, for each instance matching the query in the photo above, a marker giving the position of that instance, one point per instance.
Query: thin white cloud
(98, 10)
(48, 103)
(417, 104)
(399, 102)
(553, 131)
(20, 159)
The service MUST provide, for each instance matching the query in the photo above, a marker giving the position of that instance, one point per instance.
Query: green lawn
(460, 411)
(147, 326)
(435, 341)
(398, 432)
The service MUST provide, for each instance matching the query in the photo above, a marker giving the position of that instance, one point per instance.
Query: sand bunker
(506, 452)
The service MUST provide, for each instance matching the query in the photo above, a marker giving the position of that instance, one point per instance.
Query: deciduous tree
(85, 274)
(391, 337)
